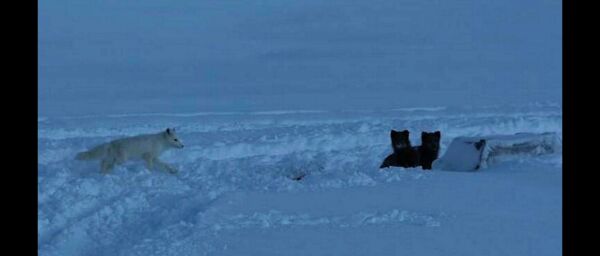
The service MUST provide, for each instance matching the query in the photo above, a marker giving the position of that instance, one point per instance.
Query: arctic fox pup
(147, 147)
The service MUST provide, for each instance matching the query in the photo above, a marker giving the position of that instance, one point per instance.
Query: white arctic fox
(147, 147)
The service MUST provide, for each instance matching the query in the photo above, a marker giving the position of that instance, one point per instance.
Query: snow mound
(474, 153)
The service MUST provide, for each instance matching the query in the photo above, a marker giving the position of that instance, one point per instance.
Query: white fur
(147, 147)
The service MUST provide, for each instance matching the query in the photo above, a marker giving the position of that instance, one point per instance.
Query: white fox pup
(147, 147)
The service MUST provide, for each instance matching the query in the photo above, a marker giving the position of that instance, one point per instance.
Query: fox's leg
(149, 161)
(165, 166)
(427, 165)
(120, 159)
(107, 164)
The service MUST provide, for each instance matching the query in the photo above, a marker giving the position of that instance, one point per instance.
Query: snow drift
(474, 153)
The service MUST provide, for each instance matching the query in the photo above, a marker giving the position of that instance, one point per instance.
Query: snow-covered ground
(234, 196)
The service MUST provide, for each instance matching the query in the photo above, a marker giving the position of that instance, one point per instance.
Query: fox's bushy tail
(92, 154)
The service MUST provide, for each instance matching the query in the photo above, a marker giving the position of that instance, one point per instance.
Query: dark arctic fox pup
(429, 149)
(404, 154)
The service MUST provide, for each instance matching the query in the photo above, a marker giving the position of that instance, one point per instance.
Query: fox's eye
(176, 140)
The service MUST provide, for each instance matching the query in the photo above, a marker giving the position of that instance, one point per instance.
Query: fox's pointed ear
(168, 130)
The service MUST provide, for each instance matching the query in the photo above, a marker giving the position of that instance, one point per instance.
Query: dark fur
(429, 149)
(400, 140)
(404, 154)
(478, 146)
